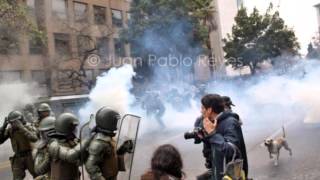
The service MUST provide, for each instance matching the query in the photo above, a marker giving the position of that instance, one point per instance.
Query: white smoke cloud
(112, 90)
(264, 103)
(272, 100)
(15, 95)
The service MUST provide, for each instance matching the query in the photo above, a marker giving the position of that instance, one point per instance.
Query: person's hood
(225, 115)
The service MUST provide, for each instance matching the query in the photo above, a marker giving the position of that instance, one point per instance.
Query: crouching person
(105, 161)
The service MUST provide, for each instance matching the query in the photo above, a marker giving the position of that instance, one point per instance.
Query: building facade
(79, 31)
(81, 42)
(317, 6)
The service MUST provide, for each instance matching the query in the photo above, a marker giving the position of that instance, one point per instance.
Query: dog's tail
(283, 132)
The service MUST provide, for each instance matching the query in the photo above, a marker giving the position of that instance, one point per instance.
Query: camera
(193, 134)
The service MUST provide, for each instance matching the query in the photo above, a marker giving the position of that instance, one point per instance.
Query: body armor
(64, 170)
(103, 160)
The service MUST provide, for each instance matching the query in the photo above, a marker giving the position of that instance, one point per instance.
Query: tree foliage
(15, 21)
(258, 37)
(163, 27)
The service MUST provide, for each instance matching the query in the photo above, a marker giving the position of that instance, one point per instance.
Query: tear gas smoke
(270, 101)
(14, 96)
(112, 90)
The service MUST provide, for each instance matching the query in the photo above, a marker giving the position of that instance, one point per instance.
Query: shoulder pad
(41, 144)
(97, 147)
(103, 137)
(53, 148)
(29, 126)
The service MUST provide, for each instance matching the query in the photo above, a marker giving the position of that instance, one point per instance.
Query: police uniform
(64, 149)
(42, 157)
(21, 136)
(104, 160)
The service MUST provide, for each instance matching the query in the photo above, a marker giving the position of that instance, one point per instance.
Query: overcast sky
(298, 14)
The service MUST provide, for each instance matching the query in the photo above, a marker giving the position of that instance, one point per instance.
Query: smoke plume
(15, 95)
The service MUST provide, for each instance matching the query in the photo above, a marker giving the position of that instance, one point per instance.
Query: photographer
(219, 130)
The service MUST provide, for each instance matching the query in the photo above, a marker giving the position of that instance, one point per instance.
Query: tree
(15, 21)
(257, 38)
(75, 75)
(162, 28)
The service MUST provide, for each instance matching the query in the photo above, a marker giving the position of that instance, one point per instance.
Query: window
(64, 74)
(119, 48)
(84, 44)
(103, 46)
(31, 8)
(59, 9)
(80, 12)
(39, 77)
(116, 18)
(9, 42)
(35, 45)
(30, 4)
(99, 14)
(62, 45)
(10, 76)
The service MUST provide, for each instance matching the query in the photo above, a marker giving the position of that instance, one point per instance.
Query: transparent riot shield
(128, 130)
(85, 132)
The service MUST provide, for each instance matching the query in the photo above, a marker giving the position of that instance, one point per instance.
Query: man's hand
(209, 126)
(17, 124)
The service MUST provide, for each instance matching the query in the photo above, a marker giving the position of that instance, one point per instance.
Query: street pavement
(302, 138)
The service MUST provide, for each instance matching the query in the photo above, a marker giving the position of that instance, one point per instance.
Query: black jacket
(206, 151)
(228, 130)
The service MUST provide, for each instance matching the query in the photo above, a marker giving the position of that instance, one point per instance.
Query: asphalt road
(302, 138)
(303, 165)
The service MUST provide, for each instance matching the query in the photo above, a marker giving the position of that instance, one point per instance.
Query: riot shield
(128, 130)
(85, 132)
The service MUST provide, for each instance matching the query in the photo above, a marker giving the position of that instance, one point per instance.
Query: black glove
(126, 147)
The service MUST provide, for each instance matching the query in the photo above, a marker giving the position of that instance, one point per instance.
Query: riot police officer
(154, 107)
(65, 149)
(28, 113)
(104, 161)
(44, 110)
(21, 136)
(42, 157)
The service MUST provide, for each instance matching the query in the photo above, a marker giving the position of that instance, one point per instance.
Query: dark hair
(166, 160)
(227, 101)
(213, 101)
